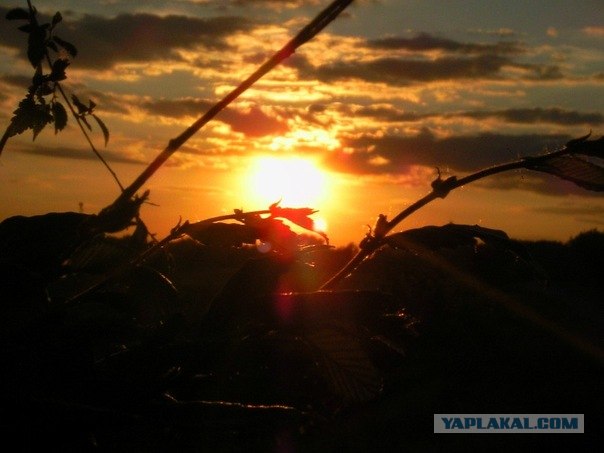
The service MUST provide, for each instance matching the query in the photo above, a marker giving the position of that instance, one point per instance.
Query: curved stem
(441, 190)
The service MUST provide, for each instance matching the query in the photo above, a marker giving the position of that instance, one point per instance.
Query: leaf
(41, 118)
(56, 19)
(81, 107)
(36, 45)
(17, 14)
(85, 121)
(52, 46)
(446, 236)
(593, 148)
(70, 48)
(60, 116)
(23, 118)
(103, 128)
(452, 236)
(221, 234)
(573, 168)
(345, 364)
(299, 216)
(44, 90)
(58, 70)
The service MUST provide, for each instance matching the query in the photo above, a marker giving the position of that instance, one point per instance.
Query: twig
(77, 118)
(440, 189)
(307, 33)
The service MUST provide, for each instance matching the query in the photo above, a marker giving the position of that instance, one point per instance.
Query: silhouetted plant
(571, 163)
(118, 322)
(41, 106)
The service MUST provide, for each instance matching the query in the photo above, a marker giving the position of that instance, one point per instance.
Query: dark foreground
(206, 348)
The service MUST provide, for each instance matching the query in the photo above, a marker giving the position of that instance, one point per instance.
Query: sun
(296, 181)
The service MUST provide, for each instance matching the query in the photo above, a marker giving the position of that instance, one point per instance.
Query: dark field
(218, 348)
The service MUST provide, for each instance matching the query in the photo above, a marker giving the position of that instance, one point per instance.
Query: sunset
(378, 101)
(301, 225)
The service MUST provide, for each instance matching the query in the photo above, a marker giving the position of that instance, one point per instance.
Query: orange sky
(389, 92)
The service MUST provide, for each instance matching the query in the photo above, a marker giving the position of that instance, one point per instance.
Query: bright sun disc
(297, 182)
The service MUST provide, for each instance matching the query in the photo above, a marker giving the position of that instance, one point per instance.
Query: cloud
(401, 156)
(587, 213)
(460, 153)
(253, 121)
(402, 72)
(77, 153)
(500, 32)
(536, 115)
(428, 58)
(426, 42)
(597, 32)
(552, 115)
(15, 80)
(276, 4)
(104, 42)
(552, 32)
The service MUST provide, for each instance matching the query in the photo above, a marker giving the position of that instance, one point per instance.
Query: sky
(358, 120)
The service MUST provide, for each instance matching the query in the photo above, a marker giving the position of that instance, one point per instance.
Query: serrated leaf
(345, 364)
(58, 70)
(36, 45)
(23, 116)
(103, 128)
(60, 116)
(70, 48)
(21, 121)
(17, 14)
(41, 118)
(44, 90)
(56, 19)
(575, 169)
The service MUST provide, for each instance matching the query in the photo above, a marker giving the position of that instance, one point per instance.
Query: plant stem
(307, 33)
(77, 118)
(94, 150)
(372, 242)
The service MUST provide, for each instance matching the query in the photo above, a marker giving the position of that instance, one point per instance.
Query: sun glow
(296, 181)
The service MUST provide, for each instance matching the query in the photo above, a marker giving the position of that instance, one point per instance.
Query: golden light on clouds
(313, 138)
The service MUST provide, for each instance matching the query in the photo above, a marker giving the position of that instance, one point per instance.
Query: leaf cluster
(41, 105)
(267, 229)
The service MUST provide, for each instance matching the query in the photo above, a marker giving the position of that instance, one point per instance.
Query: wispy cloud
(77, 153)
(460, 153)
(595, 31)
(535, 115)
(427, 42)
(252, 121)
(106, 41)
